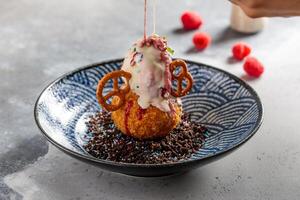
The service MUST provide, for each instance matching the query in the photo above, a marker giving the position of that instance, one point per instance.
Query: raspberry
(253, 67)
(191, 20)
(240, 50)
(201, 40)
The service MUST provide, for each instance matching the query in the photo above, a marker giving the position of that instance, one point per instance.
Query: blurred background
(41, 40)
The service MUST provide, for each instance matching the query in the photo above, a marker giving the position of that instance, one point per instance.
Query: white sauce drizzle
(148, 75)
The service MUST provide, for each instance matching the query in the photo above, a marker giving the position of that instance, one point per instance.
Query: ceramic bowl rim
(120, 164)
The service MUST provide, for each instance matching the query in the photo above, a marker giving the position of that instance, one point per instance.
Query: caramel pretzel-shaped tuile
(184, 75)
(116, 91)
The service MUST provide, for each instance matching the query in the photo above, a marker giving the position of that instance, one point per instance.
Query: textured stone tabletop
(41, 40)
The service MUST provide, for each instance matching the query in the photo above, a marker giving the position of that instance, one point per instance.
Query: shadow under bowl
(226, 105)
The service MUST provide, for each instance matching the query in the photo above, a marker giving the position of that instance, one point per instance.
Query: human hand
(269, 8)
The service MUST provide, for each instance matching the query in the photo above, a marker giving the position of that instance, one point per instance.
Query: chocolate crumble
(109, 143)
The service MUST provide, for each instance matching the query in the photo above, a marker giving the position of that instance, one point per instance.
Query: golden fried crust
(145, 124)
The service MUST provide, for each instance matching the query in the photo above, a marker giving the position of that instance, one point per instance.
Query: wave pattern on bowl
(226, 106)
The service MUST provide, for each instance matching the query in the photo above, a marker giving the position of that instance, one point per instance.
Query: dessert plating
(147, 106)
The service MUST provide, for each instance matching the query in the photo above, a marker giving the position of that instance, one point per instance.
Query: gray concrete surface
(40, 40)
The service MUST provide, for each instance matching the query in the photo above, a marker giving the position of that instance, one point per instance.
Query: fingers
(253, 12)
(236, 2)
(251, 8)
(269, 8)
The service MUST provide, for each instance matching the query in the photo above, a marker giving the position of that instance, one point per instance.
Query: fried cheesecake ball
(148, 123)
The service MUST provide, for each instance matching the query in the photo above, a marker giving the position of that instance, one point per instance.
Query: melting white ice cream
(148, 62)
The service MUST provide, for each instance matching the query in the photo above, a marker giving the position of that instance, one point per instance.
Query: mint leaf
(170, 50)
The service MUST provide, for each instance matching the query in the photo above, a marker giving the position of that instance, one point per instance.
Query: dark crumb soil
(109, 143)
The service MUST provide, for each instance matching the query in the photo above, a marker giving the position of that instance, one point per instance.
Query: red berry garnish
(240, 50)
(253, 67)
(191, 20)
(201, 40)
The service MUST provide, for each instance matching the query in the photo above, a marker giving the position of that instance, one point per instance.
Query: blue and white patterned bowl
(228, 107)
